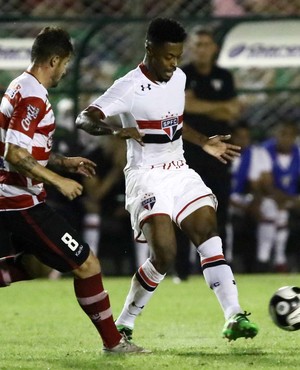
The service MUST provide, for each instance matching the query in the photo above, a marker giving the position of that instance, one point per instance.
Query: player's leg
(201, 227)
(58, 245)
(15, 265)
(159, 232)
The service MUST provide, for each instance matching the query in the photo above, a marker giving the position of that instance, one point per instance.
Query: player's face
(202, 49)
(59, 70)
(163, 60)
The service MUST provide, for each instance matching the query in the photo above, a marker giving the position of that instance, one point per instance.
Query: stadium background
(109, 40)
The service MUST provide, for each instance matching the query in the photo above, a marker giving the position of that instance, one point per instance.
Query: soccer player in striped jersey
(160, 187)
(27, 125)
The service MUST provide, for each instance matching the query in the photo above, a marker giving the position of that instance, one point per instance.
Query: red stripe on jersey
(2, 148)
(27, 115)
(13, 178)
(16, 179)
(4, 120)
(146, 279)
(20, 201)
(45, 129)
(155, 125)
(40, 154)
(219, 257)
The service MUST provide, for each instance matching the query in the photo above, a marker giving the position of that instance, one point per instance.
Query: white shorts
(174, 192)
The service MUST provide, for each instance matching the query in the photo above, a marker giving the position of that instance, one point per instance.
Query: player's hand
(69, 188)
(130, 133)
(224, 152)
(80, 165)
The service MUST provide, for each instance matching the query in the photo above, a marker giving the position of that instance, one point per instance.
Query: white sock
(91, 231)
(218, 275)
(143, 285)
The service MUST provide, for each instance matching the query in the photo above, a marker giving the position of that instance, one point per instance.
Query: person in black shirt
(212, 108)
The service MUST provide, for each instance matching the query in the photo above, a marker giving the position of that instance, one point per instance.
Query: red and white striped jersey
(26, 120)
(155, 108)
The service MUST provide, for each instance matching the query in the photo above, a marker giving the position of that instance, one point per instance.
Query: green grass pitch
(42, 327)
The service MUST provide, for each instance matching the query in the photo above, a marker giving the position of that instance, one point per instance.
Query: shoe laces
(241, 316)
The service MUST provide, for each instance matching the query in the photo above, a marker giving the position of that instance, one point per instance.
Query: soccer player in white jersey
(27, 125)
(160, 187)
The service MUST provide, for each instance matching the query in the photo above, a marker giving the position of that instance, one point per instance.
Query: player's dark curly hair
(163, 30)
(49, 42)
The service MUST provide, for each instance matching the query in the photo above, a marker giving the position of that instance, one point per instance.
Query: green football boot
(238, 326)
(126, 331)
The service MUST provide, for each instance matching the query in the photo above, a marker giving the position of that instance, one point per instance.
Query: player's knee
(200, 234)
(89, 268)
(164, 259)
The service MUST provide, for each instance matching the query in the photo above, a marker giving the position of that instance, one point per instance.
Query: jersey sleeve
(26, 115)
(117, 99)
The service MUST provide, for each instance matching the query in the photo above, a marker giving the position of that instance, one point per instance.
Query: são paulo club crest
(148, 201)
(169, 125)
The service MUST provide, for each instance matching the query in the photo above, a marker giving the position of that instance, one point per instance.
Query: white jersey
(155, 109)
(26, 120)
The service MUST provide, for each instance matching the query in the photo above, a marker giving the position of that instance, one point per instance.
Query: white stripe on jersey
(136, 98)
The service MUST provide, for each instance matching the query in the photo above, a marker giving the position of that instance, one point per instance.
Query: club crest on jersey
(148, 201)
(169, 125)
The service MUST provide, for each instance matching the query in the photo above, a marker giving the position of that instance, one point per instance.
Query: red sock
(94, 301)
(11, 270)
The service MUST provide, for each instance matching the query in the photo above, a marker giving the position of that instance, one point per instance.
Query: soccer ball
(284, 308)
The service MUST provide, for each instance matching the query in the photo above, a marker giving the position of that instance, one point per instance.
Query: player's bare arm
(91, 121)
(214, 145)
(227, 110)
(80, 165)
(27, 165)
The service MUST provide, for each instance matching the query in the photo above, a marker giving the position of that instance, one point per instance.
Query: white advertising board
(262, 44)
(15, 53)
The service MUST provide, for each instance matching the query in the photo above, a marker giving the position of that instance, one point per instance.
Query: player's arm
(227, 110)
(27, 165)
(214, 145)
(80, 165)
(91, 121)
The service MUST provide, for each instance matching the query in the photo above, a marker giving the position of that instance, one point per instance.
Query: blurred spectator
(227, 8)
(211, 108)
(251, 177)
(285, 156)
